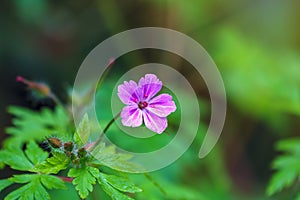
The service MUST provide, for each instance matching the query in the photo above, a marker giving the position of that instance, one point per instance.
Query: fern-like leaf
(287, 166)
(84, 179)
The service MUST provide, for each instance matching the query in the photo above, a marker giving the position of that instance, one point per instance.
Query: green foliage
(30, 125)
(18, 160)
(35, 184)
(111, 185)
(108, 156)
(4, 184)
(34, 187)
(54, 164)
(120, 183)
(69, 153)
(35, 154)
(84, 179)
(83, 131)
(249, 68)
(287, 166)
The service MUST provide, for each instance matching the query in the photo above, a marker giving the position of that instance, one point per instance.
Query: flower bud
(68, 146)
(82, 152)
(54, 142)
(41, 89)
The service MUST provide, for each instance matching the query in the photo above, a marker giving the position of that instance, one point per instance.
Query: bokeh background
(255, 44)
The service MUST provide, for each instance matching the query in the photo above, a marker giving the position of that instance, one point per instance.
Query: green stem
(155, 184)
(105, 130)
(91, 92)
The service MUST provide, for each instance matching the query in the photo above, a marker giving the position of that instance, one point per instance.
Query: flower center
(142, 104)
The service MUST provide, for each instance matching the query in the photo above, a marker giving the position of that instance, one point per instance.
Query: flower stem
(155, 184)
(104, 131)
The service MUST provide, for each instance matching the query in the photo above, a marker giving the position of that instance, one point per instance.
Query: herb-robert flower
(141, 105)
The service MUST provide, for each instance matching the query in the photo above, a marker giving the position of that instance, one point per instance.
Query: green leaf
(289, 146)
(281, 180)
(34, 189)
(51, 182)
(84, 179)
(54, 164)
(16, 159)
(82, 134)
(31, 125)
(35, 154)
(287, 162)
(2, 164)
(287, 166)
(108, 156)
(111, 191)
(121, 183)
(23, 178)
(4, 184)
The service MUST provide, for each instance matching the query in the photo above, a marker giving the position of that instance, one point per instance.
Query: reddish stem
(66, 179)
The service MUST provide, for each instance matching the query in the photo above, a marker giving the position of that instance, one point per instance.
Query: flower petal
(162, 105)
(155, 123)
(131, 116)
(149, 86)
(127, 92)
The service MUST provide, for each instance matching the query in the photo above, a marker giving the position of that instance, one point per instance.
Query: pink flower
(141, 105)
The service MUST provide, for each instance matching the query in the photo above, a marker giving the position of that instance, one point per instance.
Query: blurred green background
(255, 44)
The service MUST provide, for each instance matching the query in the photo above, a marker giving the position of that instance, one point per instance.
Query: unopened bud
(68, 146)
(54, 142)
(82, 152)
(40, 88)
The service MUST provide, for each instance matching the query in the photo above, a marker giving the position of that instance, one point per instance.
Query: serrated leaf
(83, 131)
(108, 156)
(289, 146)
(16, 159)
(32, 190)
(111, 191)
(287, 161)
(31, 125)
(84, 179)
(121, 183)
(4, 184)
(54, 164)
(51, 182)
(287, 166)
(281, 180)
(35, 154)
(23, 178)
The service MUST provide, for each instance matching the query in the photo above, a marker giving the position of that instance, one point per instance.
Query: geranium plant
(50, 152)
